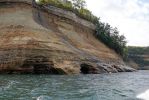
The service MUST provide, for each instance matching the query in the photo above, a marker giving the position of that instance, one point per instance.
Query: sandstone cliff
(45, 39)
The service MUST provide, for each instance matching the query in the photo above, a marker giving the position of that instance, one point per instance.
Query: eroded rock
(49, 40)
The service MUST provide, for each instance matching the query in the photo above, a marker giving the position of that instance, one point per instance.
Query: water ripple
(118, 86)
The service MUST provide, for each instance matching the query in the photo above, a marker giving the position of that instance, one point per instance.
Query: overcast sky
(131, 17)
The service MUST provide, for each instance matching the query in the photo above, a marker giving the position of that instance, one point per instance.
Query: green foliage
(110, 36)
(79, 4)
(138, 50)
(76, 6)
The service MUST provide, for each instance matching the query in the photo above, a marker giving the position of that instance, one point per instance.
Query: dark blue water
(119, 86)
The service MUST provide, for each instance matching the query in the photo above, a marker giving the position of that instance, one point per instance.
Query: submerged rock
(49, 40)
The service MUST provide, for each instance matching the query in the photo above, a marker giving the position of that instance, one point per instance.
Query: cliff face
(44, 39)
(140, 57)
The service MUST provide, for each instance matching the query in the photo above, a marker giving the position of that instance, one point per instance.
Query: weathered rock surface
(48, 40)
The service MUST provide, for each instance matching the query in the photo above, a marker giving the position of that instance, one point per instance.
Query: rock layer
(42, 40)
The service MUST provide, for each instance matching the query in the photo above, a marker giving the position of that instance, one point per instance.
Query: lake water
(119, 86)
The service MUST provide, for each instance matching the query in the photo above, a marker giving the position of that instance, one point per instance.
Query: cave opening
(85, 68)
(41, 69)
(41, 65)
(48, 69)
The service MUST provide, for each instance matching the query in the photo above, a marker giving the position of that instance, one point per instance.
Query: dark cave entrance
(41, 65)
(85, 68)
(41, 69)
(88, 69)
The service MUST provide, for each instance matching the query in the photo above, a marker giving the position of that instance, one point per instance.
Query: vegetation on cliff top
(104, 32)
(76, 6)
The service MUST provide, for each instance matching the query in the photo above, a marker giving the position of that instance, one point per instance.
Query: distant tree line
(138, 50)
(104, 32)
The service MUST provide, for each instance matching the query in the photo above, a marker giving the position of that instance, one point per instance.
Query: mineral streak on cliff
(49, 40)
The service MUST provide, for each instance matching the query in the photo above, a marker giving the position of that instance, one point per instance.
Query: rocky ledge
(48, 40)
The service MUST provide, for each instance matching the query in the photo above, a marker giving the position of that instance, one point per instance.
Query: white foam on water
(144, 95)
(44, 98)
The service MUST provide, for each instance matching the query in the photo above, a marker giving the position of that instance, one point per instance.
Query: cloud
(131, 17)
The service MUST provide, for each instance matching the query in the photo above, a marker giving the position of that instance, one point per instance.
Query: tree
(110, 36)
(79, 4)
